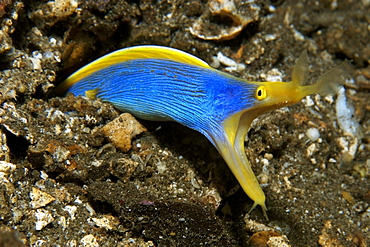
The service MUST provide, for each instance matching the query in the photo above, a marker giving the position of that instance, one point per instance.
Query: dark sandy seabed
(64, 182)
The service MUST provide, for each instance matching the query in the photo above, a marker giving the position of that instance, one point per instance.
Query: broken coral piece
(224, 19)
(121, 131)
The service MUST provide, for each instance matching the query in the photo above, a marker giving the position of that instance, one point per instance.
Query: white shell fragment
(345, 115)
(349, 124)
(233, 17)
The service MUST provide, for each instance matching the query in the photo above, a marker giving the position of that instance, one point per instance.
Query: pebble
(90, 241)
(313, 134)
(43, 218)
(7, 167)
(311, 150)
(39, 198)
(71, 210)
(108, 222)
(121, 131)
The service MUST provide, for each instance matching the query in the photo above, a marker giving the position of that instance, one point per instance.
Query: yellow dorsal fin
(131, 53)
(300, 71)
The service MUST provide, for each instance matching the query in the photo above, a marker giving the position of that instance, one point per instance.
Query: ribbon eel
(165, 84)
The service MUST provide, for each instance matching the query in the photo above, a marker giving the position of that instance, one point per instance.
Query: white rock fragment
(329, 98)
(215, 63)
(297, 35)
(308, 101)
(89, 209)
(43, 218)
(272, 75)
(272, 8)
(17, 214)
(231, 64)
(39, 198)
(161, 167)
(311, 150)
(270, 37)
(89, 241)
(36, 63)
(62, 222)
(7, 167)
(107, 221)
(43, 175)
(265, 162)
(4, 181)
(313, 134)
(225, 60)
(268, 156)
(71, 210)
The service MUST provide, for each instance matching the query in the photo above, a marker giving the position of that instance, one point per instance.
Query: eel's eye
(261, 93)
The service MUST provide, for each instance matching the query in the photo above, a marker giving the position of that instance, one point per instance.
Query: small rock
(278, 241)
(121, 131)
(71, 210)
(273, 75)
(43, 218)
(311, 150)
(7, 167)
(40, 198)
(313, 134)
(268, 239)
(89, 241)
(231, 64)
(4, 149)
(107, 221)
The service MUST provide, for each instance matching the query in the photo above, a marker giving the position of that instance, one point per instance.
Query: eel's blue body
(165, 90)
